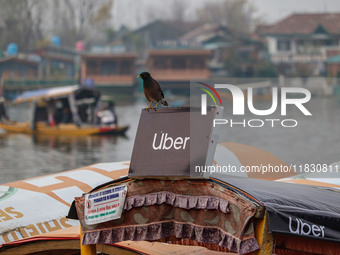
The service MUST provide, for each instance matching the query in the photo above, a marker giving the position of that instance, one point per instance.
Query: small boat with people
(68, 110)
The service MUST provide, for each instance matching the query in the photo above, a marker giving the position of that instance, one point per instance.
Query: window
(197, 63)
(91, 67)
(160, 63)
(126, 67)
(178, 63)
(108, 67)
(330, 42)
(283, 45)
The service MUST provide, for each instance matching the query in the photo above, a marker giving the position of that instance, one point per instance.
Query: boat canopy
(294, 208)
(51, 93)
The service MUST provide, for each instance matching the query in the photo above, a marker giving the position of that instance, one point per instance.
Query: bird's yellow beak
(138, 76)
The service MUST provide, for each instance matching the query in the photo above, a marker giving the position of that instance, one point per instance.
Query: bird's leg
(155, 106)
(149, 106)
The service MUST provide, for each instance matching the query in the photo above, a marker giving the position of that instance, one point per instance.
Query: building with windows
(232, 54)
(107, 71)
(16, 72)
(175, 68)
(49, 66)
(155, 35)
(303, 38)
(18, 68)
(58, 62)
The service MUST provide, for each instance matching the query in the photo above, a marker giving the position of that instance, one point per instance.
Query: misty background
(135, 13)
(32, 23)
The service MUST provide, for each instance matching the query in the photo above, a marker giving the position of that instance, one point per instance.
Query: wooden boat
(80, 104)
(35, 209)
(62, 129)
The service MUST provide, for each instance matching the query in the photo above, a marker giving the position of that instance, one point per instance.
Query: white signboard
(105, 205)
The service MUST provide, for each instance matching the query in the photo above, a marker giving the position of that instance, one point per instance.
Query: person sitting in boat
(67, 116)
(106, 117)
(58, 115)
(3, 112)
(111, 107)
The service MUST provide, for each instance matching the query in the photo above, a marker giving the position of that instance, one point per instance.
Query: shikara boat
(257, 216)
(69, 110)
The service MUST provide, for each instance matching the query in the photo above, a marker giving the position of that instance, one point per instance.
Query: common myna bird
(152, 90)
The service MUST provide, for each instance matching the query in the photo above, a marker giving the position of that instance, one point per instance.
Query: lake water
(23, 156)
(316, 140)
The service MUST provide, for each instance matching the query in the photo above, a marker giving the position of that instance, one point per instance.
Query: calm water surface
(23, 156)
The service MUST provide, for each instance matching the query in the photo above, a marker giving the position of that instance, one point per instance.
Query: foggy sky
(135, 13)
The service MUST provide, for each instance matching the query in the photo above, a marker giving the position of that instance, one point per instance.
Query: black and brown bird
(152, 90)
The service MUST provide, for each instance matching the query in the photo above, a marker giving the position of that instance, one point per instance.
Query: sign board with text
(105, 205)
(165, 145)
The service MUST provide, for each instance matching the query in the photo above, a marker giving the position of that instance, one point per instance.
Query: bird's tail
(165, 103)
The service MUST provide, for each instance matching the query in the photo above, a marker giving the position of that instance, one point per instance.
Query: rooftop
(20, 59)
(179, 52)
(109, 55)
(304, 23)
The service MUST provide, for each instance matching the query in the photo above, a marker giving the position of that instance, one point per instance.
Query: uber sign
(165, 146)
(166, 143)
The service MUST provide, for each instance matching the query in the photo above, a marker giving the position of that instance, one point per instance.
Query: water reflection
(23, 156)
(67, 144)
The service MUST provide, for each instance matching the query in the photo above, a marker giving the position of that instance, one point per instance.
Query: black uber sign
(166, 147)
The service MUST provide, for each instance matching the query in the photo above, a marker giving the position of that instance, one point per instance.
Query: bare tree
(178, 9)
(75, 20)
(238, 15)
(30, 23)
(20, 23)
(174, 10)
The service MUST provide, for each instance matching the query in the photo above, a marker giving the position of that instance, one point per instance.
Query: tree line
(30, 23)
